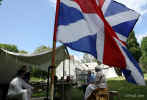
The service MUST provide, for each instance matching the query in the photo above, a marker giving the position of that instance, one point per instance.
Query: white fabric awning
(11, 62)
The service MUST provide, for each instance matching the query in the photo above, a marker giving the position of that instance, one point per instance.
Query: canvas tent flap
(11, 62)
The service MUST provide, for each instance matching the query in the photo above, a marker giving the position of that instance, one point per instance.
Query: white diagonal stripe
(71, 3)
(122, 17)
(73, 31)
(121, 37)
(106, 5)
(100, 45)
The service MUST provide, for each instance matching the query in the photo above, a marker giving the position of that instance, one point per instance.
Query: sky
(29, 23)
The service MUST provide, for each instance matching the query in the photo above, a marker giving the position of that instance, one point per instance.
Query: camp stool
(114, 94)
(101, 94)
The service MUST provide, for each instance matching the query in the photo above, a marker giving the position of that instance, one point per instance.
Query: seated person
(89, 77)
(27, 77)
(19, 89)
(27, 73)
(90, 88)
(99, 82)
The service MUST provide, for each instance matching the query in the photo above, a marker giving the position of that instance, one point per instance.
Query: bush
(36, 72)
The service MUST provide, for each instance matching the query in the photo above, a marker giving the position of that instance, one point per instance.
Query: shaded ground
(127, 90)
(76, 94)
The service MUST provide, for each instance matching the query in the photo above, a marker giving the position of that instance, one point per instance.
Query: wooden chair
(99, 94)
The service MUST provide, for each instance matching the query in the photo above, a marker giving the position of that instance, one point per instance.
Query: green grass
(126, 90)
(77, 94)
(39, 94)
(145, 75)
(36, 79)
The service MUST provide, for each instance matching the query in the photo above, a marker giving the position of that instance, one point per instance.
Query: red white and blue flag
(100, 28)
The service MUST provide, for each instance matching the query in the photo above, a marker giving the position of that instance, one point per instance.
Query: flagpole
(54, 51)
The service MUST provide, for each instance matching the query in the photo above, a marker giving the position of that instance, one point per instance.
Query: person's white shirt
(18, 88)
(90, 88)
(100, 81)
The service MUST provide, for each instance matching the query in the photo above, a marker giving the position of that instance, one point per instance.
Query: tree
(144, 46)
(0, 2)
(143, 59)
(87, 58)
(133, 46)
(23, 52)
(9, 47)
(35, 71)
(42, 49)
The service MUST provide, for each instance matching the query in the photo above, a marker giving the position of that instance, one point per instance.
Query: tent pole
(69, 66)
(63, 78)
(47, 92)
(68, 58)
(54, 51)
(53, 72)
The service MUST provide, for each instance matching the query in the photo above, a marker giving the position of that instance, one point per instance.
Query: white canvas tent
(11, 62)
(109, 72)
(75, 68)
(69, 69)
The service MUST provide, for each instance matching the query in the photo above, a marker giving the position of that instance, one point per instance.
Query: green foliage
(41, 49)
(144, 46)
(127, 91)
(136, 52)
(36, 72)
(0, 2)
(87, 58)
(39, 94)
(143, 59)
(36, 79)
(9, 47)
(133, 46)
(23, 52)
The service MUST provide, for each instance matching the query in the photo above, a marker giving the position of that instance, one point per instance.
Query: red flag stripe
(112, 55)
(101, 2)
(116, 58)
(110, 44)
(86, 6)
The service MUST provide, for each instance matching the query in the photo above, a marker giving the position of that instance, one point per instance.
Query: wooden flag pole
(53, 72)
(54, 51)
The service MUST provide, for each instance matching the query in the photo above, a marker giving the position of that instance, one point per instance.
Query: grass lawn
(36, 79)
(127, 90)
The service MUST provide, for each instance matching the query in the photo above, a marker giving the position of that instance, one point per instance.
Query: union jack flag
(100, 28)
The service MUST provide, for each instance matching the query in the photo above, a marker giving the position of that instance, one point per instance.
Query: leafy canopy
(9, 47)
(0, 2)
(133, 46)
(41, 48)
(143, 59)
